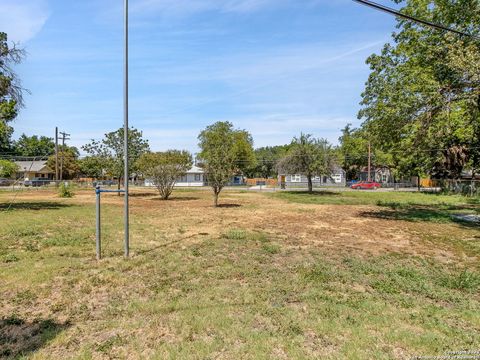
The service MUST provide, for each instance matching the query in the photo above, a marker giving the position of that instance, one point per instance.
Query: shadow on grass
(314, 193)
(173, 242)
(19, 338)
(228, 206)
(474, 201)
(415, 213)
(176, 198)
(38, 205)
(141, 194)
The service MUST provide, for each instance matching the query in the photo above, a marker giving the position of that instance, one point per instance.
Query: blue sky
(273, 67)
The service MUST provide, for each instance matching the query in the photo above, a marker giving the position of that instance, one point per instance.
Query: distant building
(29, 170)
(337, 178)
(194, 177)
(380, 174)
(237, 180)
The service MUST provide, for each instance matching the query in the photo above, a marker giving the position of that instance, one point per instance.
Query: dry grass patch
(264, 279)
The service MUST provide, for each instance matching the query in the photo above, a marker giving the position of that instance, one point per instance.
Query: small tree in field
(165, 168)
(8, 168)
(109, 151)
(68, 162)
(309, 157)
(225, 152)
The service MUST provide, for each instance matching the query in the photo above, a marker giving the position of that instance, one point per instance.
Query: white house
(337, 178)
(193, 178)
(29, 170)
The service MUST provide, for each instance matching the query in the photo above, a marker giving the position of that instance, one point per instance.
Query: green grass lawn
(411, 206)
(370, 197)
(233, 291)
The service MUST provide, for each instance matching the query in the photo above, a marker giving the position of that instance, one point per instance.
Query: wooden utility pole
(56, 154)
(369, 161)
(65, 136)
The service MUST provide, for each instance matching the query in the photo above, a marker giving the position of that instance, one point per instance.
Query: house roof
(195, 170)
(33, 166)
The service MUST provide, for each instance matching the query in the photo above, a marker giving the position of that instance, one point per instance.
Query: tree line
(421, 103)
(420, 112)
(224, 152)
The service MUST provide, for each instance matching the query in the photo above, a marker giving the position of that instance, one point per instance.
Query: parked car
(6, 182)
(351, 182)
(35, 182)
(366, 185)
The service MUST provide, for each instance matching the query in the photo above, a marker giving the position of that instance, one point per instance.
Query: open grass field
(353, 275)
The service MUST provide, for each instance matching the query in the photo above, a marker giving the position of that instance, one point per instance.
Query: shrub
(465, 280)
(65, 190)
(9, 258)
(235, 234)
(271, 248)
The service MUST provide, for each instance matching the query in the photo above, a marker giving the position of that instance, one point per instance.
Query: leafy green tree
(266, 160)
(164, 168)
(224, 153)
(422, 99)
(8, 169)
(34, 146)
(92, 166)
(68, 162)
(110, 150)
(353, 151)
(10, 89)
(309, 157)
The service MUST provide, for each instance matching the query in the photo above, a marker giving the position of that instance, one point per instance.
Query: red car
(366, 185)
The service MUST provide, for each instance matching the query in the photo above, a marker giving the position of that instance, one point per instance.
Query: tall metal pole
(125, 130)
(98, 224)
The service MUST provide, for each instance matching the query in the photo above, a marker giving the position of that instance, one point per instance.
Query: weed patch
(465, 280)
(10, 258)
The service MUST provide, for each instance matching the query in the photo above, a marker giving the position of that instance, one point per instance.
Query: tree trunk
(118, 185)
(215, 198)
(418, 182)
(472, 184)
(310, 184)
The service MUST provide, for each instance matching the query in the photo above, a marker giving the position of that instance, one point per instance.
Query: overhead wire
(392, 11)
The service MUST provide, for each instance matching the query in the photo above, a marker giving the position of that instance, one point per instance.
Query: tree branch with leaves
(225, 152)
(164, 168)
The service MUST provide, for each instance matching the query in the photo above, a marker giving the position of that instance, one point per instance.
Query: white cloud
(182, 7)
(273, 129)
(22, 19)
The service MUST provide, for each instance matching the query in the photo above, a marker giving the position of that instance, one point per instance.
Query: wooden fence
(267, 182)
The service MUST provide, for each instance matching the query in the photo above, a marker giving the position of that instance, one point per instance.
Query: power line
(392, 11)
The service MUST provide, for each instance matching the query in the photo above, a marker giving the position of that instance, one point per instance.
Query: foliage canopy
(225, 152)
(164, 168)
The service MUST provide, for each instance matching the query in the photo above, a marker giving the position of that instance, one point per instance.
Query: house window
(182, 178)
(337, 178)
(296, 178)
(198, 177)
(316, 178)
(384, 178)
